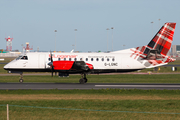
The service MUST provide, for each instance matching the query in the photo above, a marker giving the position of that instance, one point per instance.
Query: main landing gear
(83, 79)
(21, 78)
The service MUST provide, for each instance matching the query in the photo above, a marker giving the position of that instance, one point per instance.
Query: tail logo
(157, 48)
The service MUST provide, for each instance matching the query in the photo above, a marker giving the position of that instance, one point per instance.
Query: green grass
(2, 71)
(120, 78)
(96, 109)
(161, 70)
(131, 109)
(94, 92)
(177, 62)
(7, 59)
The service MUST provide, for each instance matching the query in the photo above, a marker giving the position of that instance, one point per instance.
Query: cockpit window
(18, 57)
(24, 58)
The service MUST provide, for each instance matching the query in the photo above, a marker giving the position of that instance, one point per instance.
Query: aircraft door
(41, 61)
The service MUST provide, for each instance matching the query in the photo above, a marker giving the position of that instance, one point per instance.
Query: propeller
(51, 64)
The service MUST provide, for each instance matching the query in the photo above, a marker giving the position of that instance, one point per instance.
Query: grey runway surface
(68, 86)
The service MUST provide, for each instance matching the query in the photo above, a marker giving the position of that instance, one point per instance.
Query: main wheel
(85, 80)
(21, 80)
(82, 81)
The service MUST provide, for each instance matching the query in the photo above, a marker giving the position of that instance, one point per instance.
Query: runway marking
(38, 86)
(137, 85)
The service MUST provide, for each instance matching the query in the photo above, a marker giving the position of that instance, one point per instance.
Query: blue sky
(34, 21)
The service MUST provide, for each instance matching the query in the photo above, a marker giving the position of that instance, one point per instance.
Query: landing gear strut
(21, 78)
(83, 79)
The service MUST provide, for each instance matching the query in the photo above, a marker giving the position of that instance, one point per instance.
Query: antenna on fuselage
(72, 51)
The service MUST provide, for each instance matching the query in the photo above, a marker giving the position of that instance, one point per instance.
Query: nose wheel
(83, 79)
(21, 78)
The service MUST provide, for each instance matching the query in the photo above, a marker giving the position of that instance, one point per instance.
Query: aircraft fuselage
(102, 62)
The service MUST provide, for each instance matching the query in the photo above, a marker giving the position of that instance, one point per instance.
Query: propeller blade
(51, 57)
(51, 64)
(52, 71)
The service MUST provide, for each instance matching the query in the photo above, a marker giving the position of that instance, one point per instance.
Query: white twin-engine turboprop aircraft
(152, 55)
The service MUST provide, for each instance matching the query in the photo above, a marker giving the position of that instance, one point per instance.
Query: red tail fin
(162, 40)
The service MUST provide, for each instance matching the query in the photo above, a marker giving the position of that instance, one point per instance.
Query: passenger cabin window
(75, 59)
(102, 59)
(24, 58)
(97, 59)
(69, 59)
(86, 59)
(91, 59)
(59, 59)
(49, 59)
(107, 59)
(81, 59)
(113, 59)
(64, 59)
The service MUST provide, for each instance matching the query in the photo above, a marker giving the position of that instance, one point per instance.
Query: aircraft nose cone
(6, 66)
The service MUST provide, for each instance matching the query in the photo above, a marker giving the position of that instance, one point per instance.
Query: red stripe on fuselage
(62, 65)
(90, 66)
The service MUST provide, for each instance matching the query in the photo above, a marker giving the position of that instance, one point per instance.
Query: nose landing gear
(21, 78)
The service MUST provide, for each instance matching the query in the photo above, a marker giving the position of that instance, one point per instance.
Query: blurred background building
(175, 50)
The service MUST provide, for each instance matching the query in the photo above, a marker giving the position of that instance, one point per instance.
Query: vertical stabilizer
(156, 51)
(162, 40)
